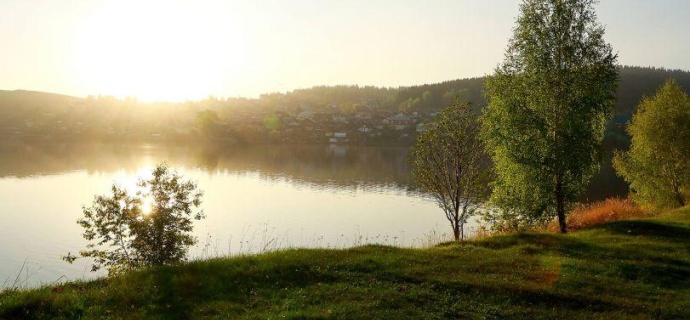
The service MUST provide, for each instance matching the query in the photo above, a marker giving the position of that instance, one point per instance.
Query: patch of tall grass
(613, 209)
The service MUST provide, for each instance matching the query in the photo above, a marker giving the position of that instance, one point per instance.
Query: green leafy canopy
(657, 166)
(548, 103)
(123, 235)
(449, 162)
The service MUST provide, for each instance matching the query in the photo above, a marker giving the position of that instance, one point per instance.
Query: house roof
(400, 117)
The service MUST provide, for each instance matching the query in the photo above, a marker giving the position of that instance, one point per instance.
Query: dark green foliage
(637, 269)
(208, 123)
(450, 163)
(548, 105)
(657, 166)
(124, 234)
(635, 83)
(436, 96)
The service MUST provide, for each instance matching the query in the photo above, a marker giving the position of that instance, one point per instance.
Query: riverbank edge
(628, 269)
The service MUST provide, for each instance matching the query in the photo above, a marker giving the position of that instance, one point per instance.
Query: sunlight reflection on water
(255, 200)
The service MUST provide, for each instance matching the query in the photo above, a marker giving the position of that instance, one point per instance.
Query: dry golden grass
(482, 233)
(587, 215)
(486, 232)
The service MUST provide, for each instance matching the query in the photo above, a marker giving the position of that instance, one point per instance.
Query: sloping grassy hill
(635, 269)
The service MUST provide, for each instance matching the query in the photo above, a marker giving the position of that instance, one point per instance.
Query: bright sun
(152, 50)
(129, 182)
(147, 206)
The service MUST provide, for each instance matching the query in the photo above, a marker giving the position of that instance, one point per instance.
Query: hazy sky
(176, 50)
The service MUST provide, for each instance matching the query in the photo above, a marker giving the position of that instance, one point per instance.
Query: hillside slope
(635, 82)
(636, 269)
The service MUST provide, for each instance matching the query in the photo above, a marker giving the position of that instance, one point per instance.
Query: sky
(183, 50)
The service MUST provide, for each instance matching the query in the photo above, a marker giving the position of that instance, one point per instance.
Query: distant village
(367, 125)
(362, 127)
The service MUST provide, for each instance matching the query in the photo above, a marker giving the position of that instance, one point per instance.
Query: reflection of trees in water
(332, 165)
(322, 165)
(316, 164)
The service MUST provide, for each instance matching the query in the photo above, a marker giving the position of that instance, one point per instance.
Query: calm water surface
(255, 199)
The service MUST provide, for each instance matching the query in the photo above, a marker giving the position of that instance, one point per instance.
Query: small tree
(449, 163)
(125, 234)
(657, 166)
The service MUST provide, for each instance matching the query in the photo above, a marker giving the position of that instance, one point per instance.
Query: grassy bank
(636, 269)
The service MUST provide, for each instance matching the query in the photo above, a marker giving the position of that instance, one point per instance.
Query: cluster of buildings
(323, 127)
(328, 125)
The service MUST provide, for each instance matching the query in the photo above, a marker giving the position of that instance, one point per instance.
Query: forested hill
(322, 109)
(29, 104)
(635, 82)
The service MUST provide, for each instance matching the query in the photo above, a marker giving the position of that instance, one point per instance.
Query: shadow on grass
(538, 243)
(239, 284)
(647, 228)
(534, 297)
(645, 254)
(169, 302)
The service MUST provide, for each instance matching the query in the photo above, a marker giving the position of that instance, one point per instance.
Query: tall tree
(657, 166)
(548, 103)
(449, 162)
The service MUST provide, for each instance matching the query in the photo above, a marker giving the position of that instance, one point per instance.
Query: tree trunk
(679, 195)
(560, 206)
(456, 217)
(456, 223)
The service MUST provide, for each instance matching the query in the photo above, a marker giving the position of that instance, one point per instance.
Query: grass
(588, 215)
(629, 269)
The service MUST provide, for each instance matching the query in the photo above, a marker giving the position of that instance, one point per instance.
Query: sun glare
(151, 50)
(129, 181)
(147, 206)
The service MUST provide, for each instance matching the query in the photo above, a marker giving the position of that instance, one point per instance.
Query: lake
(255, 199)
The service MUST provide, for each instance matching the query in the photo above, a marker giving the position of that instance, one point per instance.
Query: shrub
(125, 234)
(587, 215)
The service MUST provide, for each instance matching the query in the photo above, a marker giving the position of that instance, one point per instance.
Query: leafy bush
(125, 234)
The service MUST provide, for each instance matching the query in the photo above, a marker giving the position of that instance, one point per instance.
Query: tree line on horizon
(28, 111)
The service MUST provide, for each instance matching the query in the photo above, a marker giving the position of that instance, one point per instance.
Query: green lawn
(635, 269)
